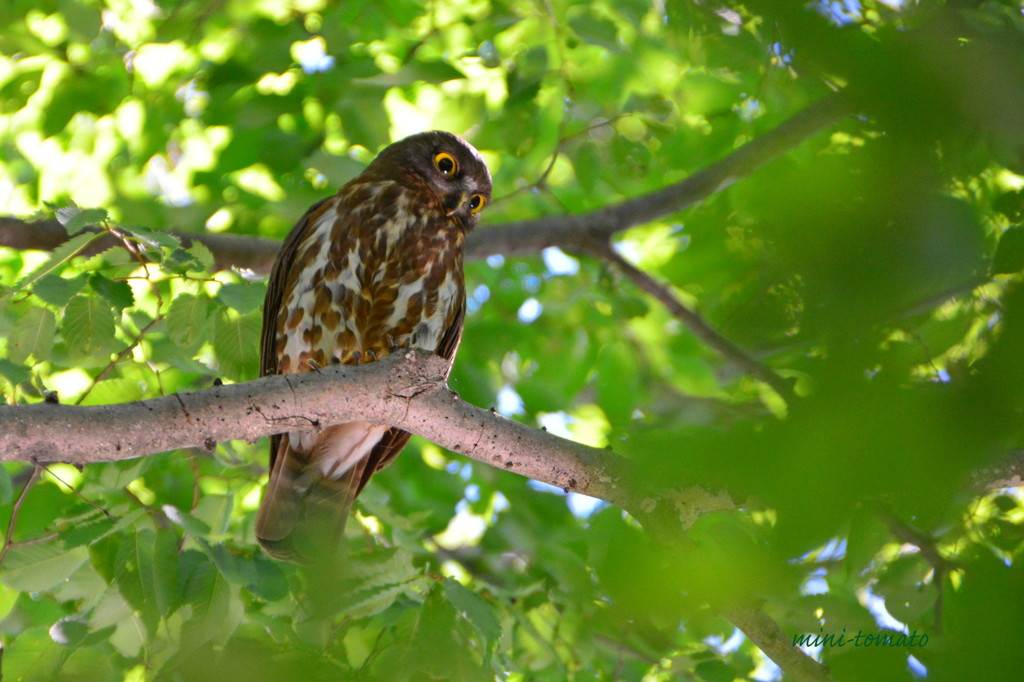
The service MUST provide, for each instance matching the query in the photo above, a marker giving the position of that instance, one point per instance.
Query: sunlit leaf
(88, 327)
(235, 340)
(40, 567)
(33, 335)
(202, 254)
(187, 319)
(58, 257)
(244, 298)
(114, 391)
(75, 219)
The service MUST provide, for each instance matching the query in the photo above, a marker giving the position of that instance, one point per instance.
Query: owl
(373, 269)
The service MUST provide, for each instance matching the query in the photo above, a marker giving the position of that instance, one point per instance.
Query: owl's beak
(454, 202)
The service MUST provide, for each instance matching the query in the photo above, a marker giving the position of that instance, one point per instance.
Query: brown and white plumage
(376, 267)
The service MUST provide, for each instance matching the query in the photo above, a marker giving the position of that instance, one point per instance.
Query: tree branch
(229, 250)
(766, 634)
(406, 391)
(577, 232)
(522, 237)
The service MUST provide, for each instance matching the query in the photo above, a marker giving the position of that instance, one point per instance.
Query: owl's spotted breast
(398, 283)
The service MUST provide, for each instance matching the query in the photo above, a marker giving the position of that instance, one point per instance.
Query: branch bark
(406, 391)
(766, 634)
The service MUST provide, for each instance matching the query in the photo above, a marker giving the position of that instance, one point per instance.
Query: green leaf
(58, 257)
(69, 632)
(35, 657)
(191, 524)
(267, 580)
(6, 488)
(415, 72)
(33, 335)
(148, 574)
(160, 578)
(202, 255)
(475, 609)
(1009, 256)
(187, 319)
(117, 390)
(369, 601)
(868, 533)
(153, 238)
(715, 671)
(244, 298)
(1010, 204)
(596, 29)
(618, 383)
(57, 290)
(117, 293)
(180, 262)
(215, 608)
(75, 219)
(15, 373)
(235, 342)
(122, 522)
(86, 531)
(88, 327)
(432, 645)
(371, 583)
(41, 567)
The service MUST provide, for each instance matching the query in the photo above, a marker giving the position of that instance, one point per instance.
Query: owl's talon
(312, 364)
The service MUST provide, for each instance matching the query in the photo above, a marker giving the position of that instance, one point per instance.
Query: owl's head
(445, 165)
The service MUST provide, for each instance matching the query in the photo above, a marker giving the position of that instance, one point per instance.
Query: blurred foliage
(877, 265)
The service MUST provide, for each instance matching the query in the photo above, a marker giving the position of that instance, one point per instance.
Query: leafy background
(874, 265)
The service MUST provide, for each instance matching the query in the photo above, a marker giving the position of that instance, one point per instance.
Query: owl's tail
(303, 513)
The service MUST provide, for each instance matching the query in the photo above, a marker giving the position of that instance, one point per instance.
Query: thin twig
(16, 509)
(118, 358)
(77, 494)
(700, 327)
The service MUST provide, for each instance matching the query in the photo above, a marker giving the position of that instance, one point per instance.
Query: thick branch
(523, 237)
(404, 391)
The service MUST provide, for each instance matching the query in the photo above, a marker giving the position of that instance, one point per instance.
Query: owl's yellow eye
(446, 163)
(477, 203)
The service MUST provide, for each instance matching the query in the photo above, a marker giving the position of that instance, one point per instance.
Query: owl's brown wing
(393, 440)
(275, 294)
